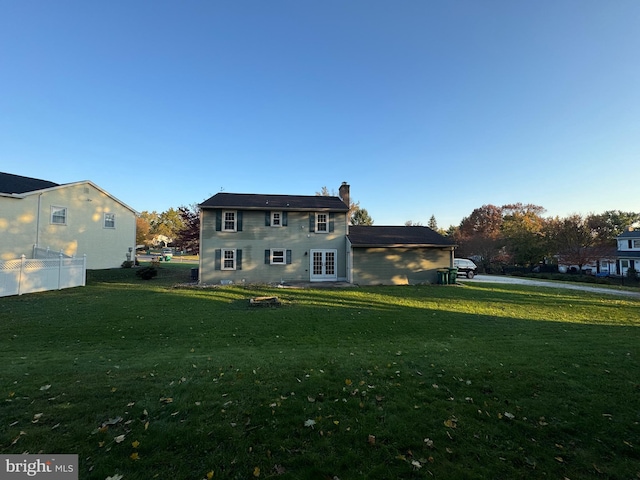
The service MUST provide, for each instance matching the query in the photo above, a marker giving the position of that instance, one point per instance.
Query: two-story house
(628, 250)
(75, 219)
(255, 238)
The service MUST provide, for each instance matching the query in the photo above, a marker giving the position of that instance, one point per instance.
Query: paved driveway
(548, 283)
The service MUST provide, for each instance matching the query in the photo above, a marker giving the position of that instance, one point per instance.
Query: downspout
(38, 223)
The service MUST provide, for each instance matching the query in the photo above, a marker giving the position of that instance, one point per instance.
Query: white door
(323, 266)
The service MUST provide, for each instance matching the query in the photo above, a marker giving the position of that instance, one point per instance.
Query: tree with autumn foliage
(480, 236)
(523, 230)
(188, 237)
(576, 241)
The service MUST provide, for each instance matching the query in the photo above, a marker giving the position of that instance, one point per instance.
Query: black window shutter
(284, 219)
(267, 219)
(288, 257)
(218, 220)
(238, 259)
(267, 257)
(332, 216)
(239, 220)
(312, 222)
(217, 260)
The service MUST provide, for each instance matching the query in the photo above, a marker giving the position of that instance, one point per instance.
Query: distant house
(600, 261)
(258, 238)
(628, 250)
(40, 218)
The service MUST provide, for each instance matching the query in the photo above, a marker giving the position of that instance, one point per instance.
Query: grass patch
(481, 381)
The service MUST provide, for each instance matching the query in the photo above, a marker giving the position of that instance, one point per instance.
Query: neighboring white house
(629, 250)
(75, 219)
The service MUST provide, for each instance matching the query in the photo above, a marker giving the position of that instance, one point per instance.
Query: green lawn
(144, 380)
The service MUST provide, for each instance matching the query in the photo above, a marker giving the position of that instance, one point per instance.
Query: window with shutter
(228, 259)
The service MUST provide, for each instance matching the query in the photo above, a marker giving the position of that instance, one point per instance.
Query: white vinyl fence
(28, 275)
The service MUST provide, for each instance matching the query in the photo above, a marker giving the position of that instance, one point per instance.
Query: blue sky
(425, 107)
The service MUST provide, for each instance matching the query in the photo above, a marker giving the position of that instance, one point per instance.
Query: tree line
(520, 235)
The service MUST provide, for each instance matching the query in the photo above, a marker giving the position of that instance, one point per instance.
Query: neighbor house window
(322, 225)
(624, 263)
(276, 219)
(229, 221)
(636, 244)
(109, 220)
(228, 259)
(59, 215)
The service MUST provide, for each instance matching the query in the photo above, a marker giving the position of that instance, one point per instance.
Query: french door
(323, 265)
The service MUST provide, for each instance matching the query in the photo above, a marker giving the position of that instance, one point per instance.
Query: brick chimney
(343, 192)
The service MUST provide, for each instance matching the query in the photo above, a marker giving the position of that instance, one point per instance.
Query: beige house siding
(256, 237)
(397, 265)
(26, 221)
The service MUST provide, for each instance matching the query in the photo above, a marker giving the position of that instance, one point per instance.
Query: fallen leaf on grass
(36, 418)
(45, 387)
(309, 423)
(210, 475)
(256, 472)
(134, 456)
(135, 444)
(372, 440)
(279, 469)
(119, 439)
(451, 423)
(15, 440)
(115, 477)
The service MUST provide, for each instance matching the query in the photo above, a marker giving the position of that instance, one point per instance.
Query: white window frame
(224, 221)
(55, 210)
(232, 258)
(276, 219)
(282, 257)
(111, 219)
(325, 223)
(635, 244)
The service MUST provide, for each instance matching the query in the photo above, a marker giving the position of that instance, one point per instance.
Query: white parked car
(465, 266)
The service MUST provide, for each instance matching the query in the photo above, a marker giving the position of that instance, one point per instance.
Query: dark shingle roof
(370, 236)
(10, 183)
(635, 233)
(628, 254)
(251, 201)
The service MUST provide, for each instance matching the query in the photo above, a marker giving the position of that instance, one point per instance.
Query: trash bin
(167, 258)
(453, 275)
(443, 276)
(194, 274)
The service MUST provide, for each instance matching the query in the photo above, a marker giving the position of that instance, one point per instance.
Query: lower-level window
(277, 256)
(228, 259)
